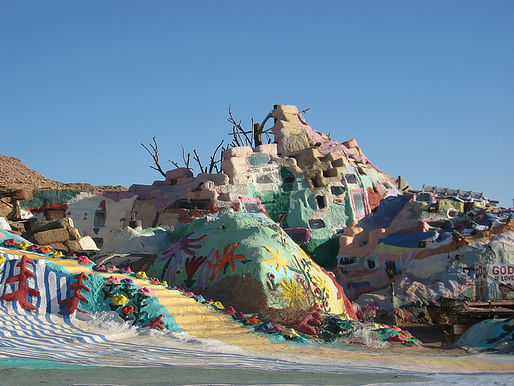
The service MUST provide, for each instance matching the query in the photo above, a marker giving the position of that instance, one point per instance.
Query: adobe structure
(388, 245)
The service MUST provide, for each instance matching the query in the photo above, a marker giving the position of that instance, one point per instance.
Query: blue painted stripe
(33, 299)
(48, 292)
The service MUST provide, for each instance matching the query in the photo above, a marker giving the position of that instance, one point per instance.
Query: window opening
(337, 163)
(299, 235)
(99, 220)
(351, 178)
(264, 179)
(193, 204)
(358, 200)
(316, 224)
(330, 173)
(337, 190)
(252, 207)
(321, 202)
(347, 260)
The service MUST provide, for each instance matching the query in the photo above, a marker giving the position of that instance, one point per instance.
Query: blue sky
(426, 87)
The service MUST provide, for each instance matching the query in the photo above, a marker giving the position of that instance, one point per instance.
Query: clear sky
(426, 87)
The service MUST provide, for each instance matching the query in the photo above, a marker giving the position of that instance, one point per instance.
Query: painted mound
(247, 261)
(494, 335)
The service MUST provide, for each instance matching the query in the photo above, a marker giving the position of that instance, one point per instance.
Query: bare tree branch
(155, 155)
(213, 164)
(237, 130)
(266, 120)
(174, 163)
(186, 160)
(197, 159)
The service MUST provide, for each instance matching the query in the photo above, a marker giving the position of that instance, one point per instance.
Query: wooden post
(257, 134)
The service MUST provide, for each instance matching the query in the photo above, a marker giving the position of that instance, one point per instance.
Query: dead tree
(155, 155)
(240, 137)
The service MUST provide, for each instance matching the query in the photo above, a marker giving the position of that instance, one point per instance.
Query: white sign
(503, 273)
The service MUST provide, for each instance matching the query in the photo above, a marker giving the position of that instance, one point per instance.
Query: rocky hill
(14, 175)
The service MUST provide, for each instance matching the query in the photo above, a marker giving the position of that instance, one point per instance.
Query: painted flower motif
(112, 280)
(219, 305)
(289, 333)
(277, 260)
(154, 280)
(11, 242)
(292, 292)
(271, 276)
(127, 281)
(99, 268)
(23, 245)
(2, 259)
(146, 291)
(141, 275)
(57, 254)
(164, 283)
(226, 259)
(83, 260)
(120, 300)
(45, 250)
(126, 270)
(34, 247)
(112, 269)
(230, 310)
(252, 321)
(128, 309)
